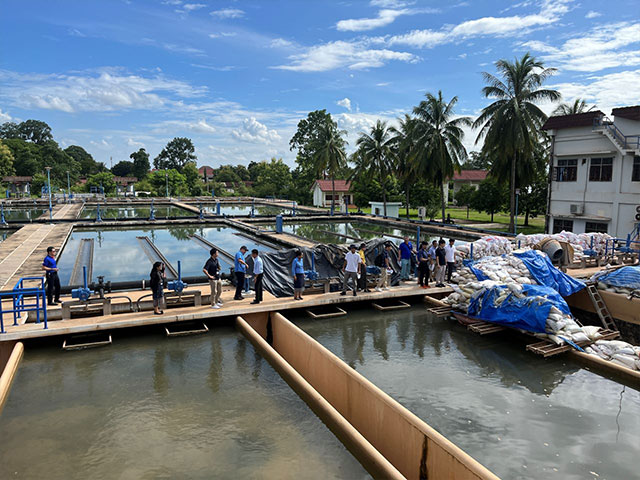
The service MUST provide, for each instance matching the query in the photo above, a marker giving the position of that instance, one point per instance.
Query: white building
(393, 209)
(322, 191)
(595, 175)
(472, 178)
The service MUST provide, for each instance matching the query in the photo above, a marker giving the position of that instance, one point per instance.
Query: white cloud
(550, 12)
(385, 17)
(603, 47)
(280, 43)
(132, 143)
(606, 91)
(222, 34)
(345, 102)
(592, 14)
(74, 32)
(340, 54)
(202, 126)
(228, 13)
(254, 131)
(108, 90)
(389, 3)
(193, 6)
(183, 49)
(4, 116)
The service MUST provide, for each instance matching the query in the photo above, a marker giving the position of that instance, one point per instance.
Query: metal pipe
(48, 169)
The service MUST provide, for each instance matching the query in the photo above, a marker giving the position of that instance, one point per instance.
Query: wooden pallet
(485, 328)
(182, 330)
(548, 349)
(337, 313)
(440, 311)
(397, 306)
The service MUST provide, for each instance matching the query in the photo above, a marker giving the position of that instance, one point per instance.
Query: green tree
(579, 105)
(405, 148)
(53, 156)
(274, 179)
(425, 194)
(438, 137)
(329, 156)
(533, 197)
(476, 161)
(306, 141)
(377, 156)
(176, 154)
(35, 131)
(9, 130)
(26, 155)
(6, 161)
(104, 180)
(176, 181)
(38, 181)
(464, 197)
(141, 164)
(88, 166)
(510, 125)
(194, 182)
(226, 173)
(123, 168)
(489, 198)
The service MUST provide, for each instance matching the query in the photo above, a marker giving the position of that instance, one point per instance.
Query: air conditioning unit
(422, 212)
(577, 209)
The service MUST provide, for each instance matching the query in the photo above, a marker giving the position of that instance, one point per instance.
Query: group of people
(434, 262)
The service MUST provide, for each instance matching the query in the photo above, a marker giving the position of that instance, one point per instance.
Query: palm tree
(438, 148)
(329, 156)
(405, 143)
(511, 125)
(579, 105)
(376, 155)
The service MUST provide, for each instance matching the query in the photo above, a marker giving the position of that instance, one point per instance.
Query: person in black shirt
(441, 264)
(212, 270)
(156, 283)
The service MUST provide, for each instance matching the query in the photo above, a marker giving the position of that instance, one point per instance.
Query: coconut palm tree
(511, 124)
(404, 144)
(329, 157)
(438, 148)
(579, 105)
(376, 155)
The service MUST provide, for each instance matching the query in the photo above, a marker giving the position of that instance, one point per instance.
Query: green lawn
(536, 225)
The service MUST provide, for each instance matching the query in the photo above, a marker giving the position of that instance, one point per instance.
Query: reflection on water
(119, 257)
(4, 235)
(518, 414)
(26, 214)
(198, 407)
(160, 211)
(245, 209)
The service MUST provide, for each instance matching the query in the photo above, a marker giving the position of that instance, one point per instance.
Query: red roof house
(322, 191)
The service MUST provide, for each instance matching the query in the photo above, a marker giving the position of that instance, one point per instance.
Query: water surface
(160, 211)
(145, 408)
(245, 209)
(521, 416)
(22, 214)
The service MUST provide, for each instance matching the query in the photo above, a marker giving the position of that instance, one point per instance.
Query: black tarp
(328, 262)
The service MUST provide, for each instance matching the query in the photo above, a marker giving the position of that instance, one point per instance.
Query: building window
(635, 173)
(596, 227)
(601, 170)
(560, 225)
(566, 170)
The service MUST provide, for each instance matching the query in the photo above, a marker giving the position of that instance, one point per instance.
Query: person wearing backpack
(382, 261)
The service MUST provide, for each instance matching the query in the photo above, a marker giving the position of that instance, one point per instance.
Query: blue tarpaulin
(543, 272)
(529, 313)
(477, 272)
(627, 277)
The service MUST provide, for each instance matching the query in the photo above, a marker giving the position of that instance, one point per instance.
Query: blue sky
(237, 76)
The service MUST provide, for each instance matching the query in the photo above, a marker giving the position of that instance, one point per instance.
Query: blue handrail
(25, 299)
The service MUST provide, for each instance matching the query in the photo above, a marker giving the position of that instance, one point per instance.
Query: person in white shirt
(257, 276)
(450, 255)
(350, 269)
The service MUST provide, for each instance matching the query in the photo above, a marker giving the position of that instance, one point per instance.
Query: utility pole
(48, 169)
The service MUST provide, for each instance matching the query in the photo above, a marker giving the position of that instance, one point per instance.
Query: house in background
(18, 186)
(124, 185)
(206, 173)
(595, 177)
(463, 177)
(322, 191)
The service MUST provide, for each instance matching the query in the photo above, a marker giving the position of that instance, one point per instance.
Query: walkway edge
(9, 372)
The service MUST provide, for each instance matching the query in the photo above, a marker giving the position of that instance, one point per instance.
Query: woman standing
(297, 269)
(156, 282)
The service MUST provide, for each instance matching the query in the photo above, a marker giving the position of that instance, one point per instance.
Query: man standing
(212, 270)
(363, 268)
(404, 258)
(432, 259)
(450, 254)
(383, 263)
(423, 266)
(240, 268)
(350, 269)
(50, 267)
(257, 276)
(441, 264)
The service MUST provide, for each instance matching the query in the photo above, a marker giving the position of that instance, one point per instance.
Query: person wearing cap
(240, 268)
(363, 268)
(350, 269)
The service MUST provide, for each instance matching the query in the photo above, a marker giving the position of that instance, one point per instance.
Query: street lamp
(68, 186)
(166, 182)
(515, 225)
(48, 169)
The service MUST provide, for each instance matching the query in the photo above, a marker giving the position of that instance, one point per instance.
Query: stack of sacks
(616, 351)
(561, 325)
(504, 269)
(624, 280)
(485, 247)
(580, 241)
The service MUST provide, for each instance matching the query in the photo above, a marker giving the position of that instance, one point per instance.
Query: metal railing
(24, 299)
(627, 141)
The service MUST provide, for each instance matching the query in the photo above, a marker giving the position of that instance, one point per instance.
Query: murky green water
(518, 414)
(119, 257)
(25, 214)
(245, 209)
(145, 408)
(160, 211)
(4, 235)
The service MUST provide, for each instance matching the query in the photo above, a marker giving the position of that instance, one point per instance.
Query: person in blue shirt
(240, 268)
(50, 267)
(258, 270)
(297, 269)
(404, 258)
(432, 259)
